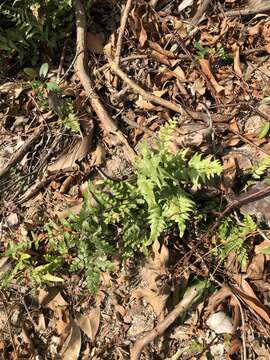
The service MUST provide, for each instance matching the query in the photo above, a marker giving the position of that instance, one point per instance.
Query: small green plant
(233, 238)
(46, 92)
(201, 51)
(128, 215)
(260, 169)
(224, 57)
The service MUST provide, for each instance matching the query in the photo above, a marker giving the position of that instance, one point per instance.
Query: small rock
(220, 323)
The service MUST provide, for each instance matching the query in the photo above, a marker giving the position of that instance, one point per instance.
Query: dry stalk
(163, 325)
(106, 122)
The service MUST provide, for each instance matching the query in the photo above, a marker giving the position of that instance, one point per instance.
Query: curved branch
(107, 123)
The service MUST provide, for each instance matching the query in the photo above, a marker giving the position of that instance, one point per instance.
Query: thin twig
(200, 11)
(153, 98)
(243, 327)
(248, 11)
(163, 325)
(107, 123)
(122, 31)
(22, 151)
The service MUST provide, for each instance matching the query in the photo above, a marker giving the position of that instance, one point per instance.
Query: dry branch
(200, 11)
(122, 31)
(249, 11)
(107, 123)
(153, 98)
(22, 151)
(163, 325)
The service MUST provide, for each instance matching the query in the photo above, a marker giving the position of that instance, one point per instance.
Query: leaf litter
(215, 67)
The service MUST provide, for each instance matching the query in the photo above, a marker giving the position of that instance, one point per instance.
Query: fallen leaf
(220, 323)
(248, 296)
(51, 298)
(198, 86)
(206, 69)
(98, 155)
(72, 346)
(256, 267)
(77, 152)
(157, 301)
(95, 42)
(89, 323)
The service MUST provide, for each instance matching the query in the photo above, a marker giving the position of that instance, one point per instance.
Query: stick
(22, 151)
(248, 11)
(108, 125)
(235, 204)
(163, 325)
(153, 98)
(200, 11)
(122, 31)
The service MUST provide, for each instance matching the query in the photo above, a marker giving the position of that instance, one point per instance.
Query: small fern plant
(233, 239)
(128, 215)
(165, 179)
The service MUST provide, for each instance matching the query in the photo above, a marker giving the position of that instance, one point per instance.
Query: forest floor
(134, 67)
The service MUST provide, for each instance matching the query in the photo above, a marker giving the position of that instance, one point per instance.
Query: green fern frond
(259, 170)
(200, 170)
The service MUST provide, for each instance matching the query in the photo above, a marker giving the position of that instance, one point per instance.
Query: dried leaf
(95, 42)
(206, 69)
(157, 302)
(98, 155)
(72, 346)
(77, 152)
(51, 298)
(248, 296)
(143, 35)
(89, 323)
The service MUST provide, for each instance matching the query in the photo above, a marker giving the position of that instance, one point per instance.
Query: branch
(122, 31)
(22, 151)
(163, 325)
(107, 123)
(200, 11)
(248, 11)
(153, 98)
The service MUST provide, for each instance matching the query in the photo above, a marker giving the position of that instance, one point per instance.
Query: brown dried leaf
(89, 323)
(206, 69)
(72, 346)
(98, 155)
(248, 296)
(157, 302)
(51, 298)
(77, 152)
(256, 267)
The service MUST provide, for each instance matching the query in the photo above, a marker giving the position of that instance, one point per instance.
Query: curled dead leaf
(206, 69)
(157, 301)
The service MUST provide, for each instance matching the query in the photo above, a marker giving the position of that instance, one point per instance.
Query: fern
(129, 215)
(234, 238)
(259, 170)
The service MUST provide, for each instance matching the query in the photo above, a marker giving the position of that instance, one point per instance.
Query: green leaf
(43, 71)
(31, 72)
(264, 130)
(52, 86)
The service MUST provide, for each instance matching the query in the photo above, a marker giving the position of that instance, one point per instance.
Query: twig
(122, 31)
(60, 68)
(108, 125)
(22, 151)
(153, 98)
(243, 325)
(235, 204)
(4, 301)
(163, 325)
(248, 11)
(200, 11)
